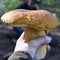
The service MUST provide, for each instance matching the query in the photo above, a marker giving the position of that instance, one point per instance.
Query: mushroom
(34, 23)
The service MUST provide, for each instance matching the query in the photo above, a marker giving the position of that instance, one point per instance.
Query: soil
(7, 35)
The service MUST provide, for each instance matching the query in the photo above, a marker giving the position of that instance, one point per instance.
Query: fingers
(40, 41)
(47, 39)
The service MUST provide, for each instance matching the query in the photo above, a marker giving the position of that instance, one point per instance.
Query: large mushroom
(34, 23)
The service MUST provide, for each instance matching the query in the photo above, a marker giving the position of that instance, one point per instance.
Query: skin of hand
(31, 46)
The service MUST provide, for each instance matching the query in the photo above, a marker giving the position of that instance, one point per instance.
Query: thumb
(21, 37)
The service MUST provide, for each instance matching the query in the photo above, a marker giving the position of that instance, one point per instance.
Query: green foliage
(55, 5)
(7, 5)
(47, 2)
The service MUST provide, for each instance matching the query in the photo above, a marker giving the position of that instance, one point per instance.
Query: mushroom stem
(30, 33)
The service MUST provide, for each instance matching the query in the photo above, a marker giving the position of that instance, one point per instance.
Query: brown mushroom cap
(37, 19)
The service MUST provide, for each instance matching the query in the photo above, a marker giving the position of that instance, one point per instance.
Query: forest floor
(6, 44)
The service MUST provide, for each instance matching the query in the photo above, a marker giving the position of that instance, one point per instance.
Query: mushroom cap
(37, 19)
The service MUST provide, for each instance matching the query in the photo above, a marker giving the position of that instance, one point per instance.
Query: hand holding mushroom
(34, 23)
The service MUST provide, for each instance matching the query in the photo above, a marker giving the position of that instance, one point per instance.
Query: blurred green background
(50, 5)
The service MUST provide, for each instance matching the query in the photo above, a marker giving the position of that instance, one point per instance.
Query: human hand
(31, 46)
